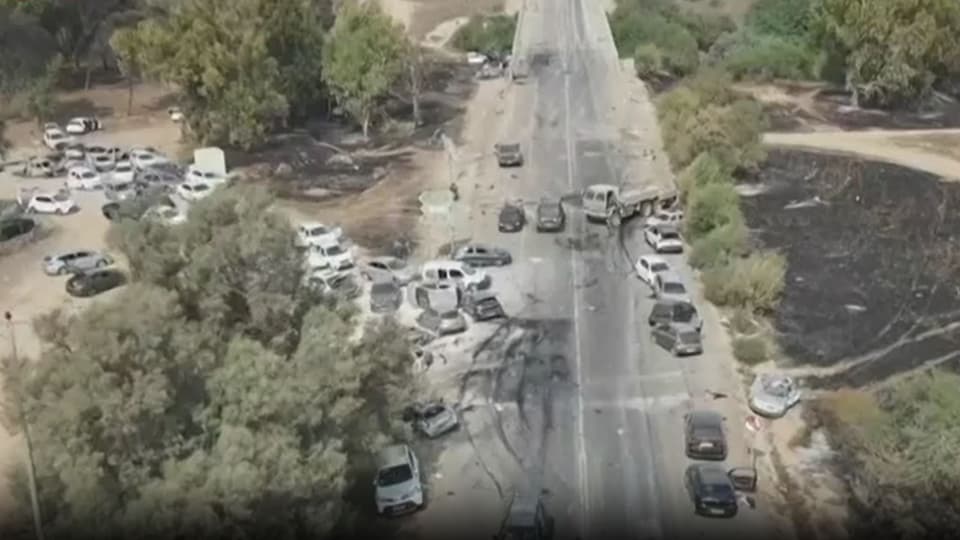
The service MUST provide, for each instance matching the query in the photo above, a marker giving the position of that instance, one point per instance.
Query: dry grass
(947, 145)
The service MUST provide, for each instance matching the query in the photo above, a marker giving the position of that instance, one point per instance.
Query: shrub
(709, 207)
(707, 28)
(751, 350)
(742, 321)
(648, 61)
(706, 169)
(780, 18)
(719, 246)
(632, 29)
(769, 57)
(487, 34)
(754, 282)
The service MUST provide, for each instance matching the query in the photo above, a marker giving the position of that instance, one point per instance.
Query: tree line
(243, 68)
(884, 52)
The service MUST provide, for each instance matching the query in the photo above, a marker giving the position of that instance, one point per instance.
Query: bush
(751, 350)
(706, 29)
(719, 246)
(706, 169)
(780, 18)
(742, 322)
(769, 57)
(648, 61)
(754, 282)
(486, 34)
(710, 207)
(632, 29)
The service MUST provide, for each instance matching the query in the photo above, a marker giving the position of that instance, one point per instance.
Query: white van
(456, 272)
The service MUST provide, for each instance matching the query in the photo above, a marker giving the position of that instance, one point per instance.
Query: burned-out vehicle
(433, 418)
(482, 305)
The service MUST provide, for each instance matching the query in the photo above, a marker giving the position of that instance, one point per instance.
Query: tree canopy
(365, 54)
(215, 396)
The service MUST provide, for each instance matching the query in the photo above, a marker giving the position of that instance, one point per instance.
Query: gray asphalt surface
(612, 461)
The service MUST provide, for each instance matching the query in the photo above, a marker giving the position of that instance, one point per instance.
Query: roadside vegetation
(215, 382)
(490, 34)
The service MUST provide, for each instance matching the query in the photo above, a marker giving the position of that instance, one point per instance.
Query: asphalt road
(612, 461)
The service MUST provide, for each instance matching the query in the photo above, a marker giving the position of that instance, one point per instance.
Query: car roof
(327, 243)
(523, 511)
(712, 474)
(392, 456)
(668, 227)
(654, 259)
(704, 417)
(684, 327)
(313, 225)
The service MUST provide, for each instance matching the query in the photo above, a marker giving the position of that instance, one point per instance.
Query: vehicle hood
(764, 399)
(399, 491)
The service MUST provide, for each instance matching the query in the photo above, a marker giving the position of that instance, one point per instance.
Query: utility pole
(31, 469)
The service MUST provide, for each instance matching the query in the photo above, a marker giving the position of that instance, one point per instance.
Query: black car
(675, 312)
(479, 255)
(482, 305)
(508, 154)
(711, 490)
(704, 435)
(94, 282)
(512, 218)
(137, 206)
(550, 216)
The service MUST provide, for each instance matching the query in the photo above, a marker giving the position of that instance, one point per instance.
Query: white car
(123, 172)
(664, 238)
(167, 215)
(102, 162)
(772, 396)
(665, 217)
(194, 191)
(82, 125)
(47, 203)
(144, 159)
(74, 152)
(196, 174)
(329, 255)
(313, 233)
(454, 272)
(476, 59)
(55, 139)
(83, 178)
(648, 266)
(397, 485)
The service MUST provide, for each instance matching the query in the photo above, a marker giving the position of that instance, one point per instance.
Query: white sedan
(194, 191)
(665, 217)
(47, 203)
(648, 266)
(123, 172)
(313, 233)
(82, 125)
(83, 178)
(55, 139)
(329, 255)
(664, 239)
(144, 159)
(196, 174)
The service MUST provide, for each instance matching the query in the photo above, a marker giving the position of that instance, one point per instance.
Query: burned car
(773, 395)
(385, 297)
(433, 418)
(482, 305)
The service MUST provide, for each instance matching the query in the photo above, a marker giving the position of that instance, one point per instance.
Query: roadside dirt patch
(946, 144)
(873, 255)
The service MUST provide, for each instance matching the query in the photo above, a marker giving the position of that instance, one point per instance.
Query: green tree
(217, 398)
(128, 49)
(41, 100)
(486, 34)
(243, 66)
(364, 56)
(25, 48)
(894, 49)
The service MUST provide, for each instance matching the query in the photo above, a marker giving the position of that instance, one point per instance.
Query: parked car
(680, 339)
(123, 172)
(166, 214)
(119, 191)
(388, 268)
(705, 436)
(96, 150)
(397, 486)
(75, 152)
(41, 202)
(482, 255)
(649, 266)
(508, 154)
(773, 395)
(55, 139)
(476, 59)
(40, 166)
(482, 305)
(669, 286)
(83, 125)
(454, 272)
(441, 324)
(550, 216)
(511, 219)
(145, 158)
(675, 312)
(664, 238)
(94, 282)
(75, 261)
(195, 173)
(665, 217)
(329, 255)
(165, 175)
(332, 282)
(433, 418)
(102, 162)
(438, 296)
(313, 233)
(194, 191)
(385, 297)
(83, 178)
(711, 490)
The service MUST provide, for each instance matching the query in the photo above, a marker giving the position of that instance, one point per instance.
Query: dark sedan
(512, 218)
(134, 208)
(704, 435)
(481, 255)
(711, 490)
(550, 216)
(482, 306)
(94, 282)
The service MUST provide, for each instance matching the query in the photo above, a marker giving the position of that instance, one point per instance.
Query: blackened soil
(872, 263)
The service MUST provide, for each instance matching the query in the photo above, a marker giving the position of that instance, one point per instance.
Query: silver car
(448, 322)
(433, 418)
(75, 262)
(773, 395)
(680, 339)
(388, 268)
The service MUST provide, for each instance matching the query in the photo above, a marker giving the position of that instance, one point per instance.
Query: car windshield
(449, 315)
(674, 288)
(339, 281)
(659, 266)
(317, 231)
(56, 135)
(509, 148)
(394, 475)
(550, 210)
(334, 250)
(88, 174)
(689, 337)
(168, 213)
(103, 158)
(121, 187)
(718, 490)
(669, 235)
(200, 187)
(382, 288)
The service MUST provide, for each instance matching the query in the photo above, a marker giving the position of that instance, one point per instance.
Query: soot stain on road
(873, 255)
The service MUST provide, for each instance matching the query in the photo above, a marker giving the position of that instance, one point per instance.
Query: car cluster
(90, 272)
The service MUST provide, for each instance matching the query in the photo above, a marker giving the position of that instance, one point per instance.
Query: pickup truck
(613, 204)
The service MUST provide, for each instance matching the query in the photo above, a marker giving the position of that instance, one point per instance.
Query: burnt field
(873, 255)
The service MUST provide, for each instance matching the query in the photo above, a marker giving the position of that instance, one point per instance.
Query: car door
(793, 394)
(658, 335)
(644, 270)
(44, 204)
(690, 483)
(68, 259)
(84, 260)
